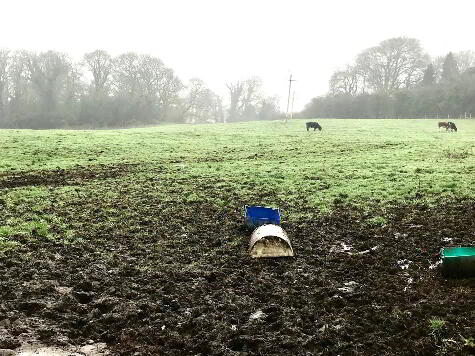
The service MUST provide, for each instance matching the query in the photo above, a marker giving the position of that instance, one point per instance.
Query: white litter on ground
(434, 265)
(404, 264)
(257, 315)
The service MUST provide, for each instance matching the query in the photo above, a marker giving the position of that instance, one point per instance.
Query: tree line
(50, 90)
(397, 79)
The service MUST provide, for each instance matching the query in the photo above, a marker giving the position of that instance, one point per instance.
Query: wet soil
(183, 284)
(58, 177)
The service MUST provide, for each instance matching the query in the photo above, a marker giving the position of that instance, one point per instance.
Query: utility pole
(292, 106)
(288, 97)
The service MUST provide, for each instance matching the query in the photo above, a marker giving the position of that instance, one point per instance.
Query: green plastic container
(458, 261)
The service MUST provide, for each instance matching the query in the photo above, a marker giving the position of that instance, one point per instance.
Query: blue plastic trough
(256, 216)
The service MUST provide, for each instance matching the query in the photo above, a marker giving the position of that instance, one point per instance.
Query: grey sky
(222, 41)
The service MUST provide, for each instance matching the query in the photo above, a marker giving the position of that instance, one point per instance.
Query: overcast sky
(225, 40)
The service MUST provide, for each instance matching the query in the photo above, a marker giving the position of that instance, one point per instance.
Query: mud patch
(183, 283)
(60, 177)
(41, 350)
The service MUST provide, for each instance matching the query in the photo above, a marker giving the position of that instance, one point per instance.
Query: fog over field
(237, 178)
(211, 45)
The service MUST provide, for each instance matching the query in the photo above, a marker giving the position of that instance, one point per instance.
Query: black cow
(452, 126)
(313, 125)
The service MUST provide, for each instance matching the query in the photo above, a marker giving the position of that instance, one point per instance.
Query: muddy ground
(184, 284)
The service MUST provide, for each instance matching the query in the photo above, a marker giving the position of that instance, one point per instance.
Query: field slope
(135, 238)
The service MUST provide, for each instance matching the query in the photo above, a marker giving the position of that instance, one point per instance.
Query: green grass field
(365, 162)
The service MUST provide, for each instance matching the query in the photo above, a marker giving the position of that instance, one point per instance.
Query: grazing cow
(452, 126)
(444, 124)
(313, 125)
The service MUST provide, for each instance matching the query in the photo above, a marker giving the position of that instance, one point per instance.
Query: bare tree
(19, 88)
(158, 85)
(465, 60)
(218, 109)
(151, 73)
(191, 104)
(201, 103)
(126, 74)
(345, 81)
(74, 87)
(396, 63)
(268, 108)
(47, 72)
(252, 93)
(236, 90)
(169, 89)
(244, 96)
(99, 63)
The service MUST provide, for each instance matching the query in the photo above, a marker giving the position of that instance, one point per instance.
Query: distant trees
(429, 77)
(99, 63)
(243, 95)
(465, 60)
(450, 70)
(397, 79)
(47, 73)
(346, 82)
(48, 89)
(4, 62)
(248, 103)
(169, 89)
(37, 88)
(201, 104)
(394, 64)
(268, 108)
